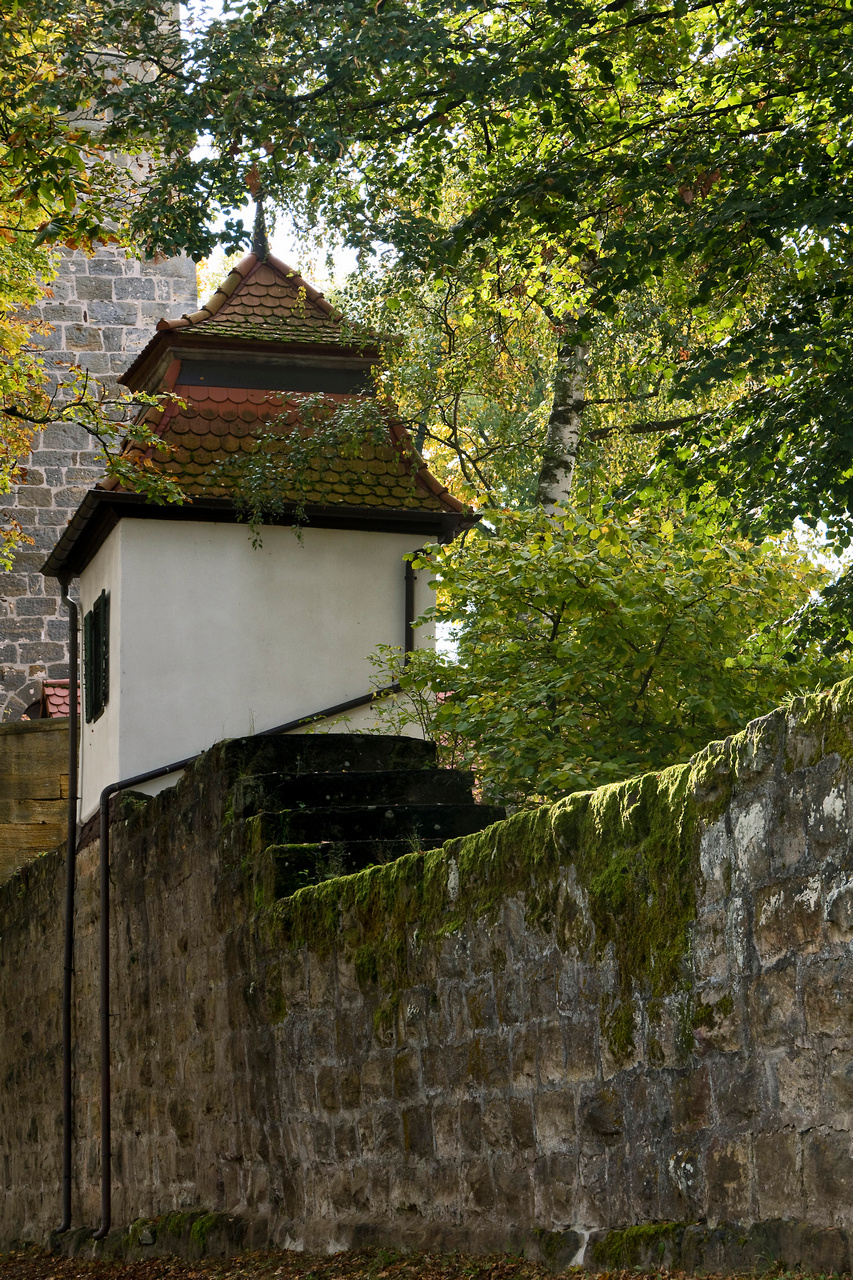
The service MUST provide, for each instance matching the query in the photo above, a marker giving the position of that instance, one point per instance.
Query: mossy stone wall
(620, 1028)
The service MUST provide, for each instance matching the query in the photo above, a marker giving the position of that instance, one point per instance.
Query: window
(96, 656)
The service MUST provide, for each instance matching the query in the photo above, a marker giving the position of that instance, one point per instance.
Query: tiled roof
(267, 301)
(220, 426)
(262, 300)
(54, 698)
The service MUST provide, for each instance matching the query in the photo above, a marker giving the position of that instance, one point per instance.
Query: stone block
(739, 1092)
(83, 337)
(377, 1077)
(407, 1083)
(796, 1077)
(27, 496)
(773, 1008)
(550, 1054)
(113, 339)
(497, 1125)
(62, 312)
(837, 1087)
(417, 1132)
(691, 1101)
(478, 1186)
(327, 1089)
(727, 1178)
(556, 1128)
(523, 1057)
(750, 820)
(838, 910)
(788, 917)
(471, 1126)
(104, 266)
(480, 1004)
(509, 998)
(601, 1115)
(97, 362)
(112, 313)
(789, 844)
(778, 1179)
(38, 653)
(827, 995)
(41, 606)
(488, 1061)
(521, 1124)
(826, 811)
(445, 1130)
(828, 1175)
(580, 1037)
(135, 287)
(513, 1185)
(387, 1131)
(92, 288)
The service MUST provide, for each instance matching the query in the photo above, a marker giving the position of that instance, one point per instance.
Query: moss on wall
(634, 848)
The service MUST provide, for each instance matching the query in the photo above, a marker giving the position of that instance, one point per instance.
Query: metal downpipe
(106, 1099)
(70, 878)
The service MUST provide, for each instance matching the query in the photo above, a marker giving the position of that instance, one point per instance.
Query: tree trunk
(564, 426)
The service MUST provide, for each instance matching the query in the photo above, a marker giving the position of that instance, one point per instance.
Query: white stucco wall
(211, 638)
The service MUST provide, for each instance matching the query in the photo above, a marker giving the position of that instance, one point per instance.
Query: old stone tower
(102, 311)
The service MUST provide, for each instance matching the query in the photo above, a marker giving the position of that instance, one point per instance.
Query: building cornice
(101, 510)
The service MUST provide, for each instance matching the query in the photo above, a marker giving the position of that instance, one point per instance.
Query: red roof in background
(54, 699)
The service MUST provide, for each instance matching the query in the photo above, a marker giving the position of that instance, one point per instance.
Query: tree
(589, 152)
(604, 643)
(60, 185)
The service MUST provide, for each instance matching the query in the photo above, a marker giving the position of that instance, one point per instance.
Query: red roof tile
(54, 699)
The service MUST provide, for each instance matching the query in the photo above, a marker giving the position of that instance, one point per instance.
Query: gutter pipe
(104, 854)
(70, 877)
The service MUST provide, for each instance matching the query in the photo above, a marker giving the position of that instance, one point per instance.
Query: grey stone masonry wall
(448, 1050)
(102, 313)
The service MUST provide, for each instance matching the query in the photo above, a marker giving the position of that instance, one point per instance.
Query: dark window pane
(96, 657)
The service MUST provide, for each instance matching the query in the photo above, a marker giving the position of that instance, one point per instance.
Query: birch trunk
(564, 426)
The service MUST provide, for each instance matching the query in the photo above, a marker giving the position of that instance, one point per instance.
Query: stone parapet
(615, 1031)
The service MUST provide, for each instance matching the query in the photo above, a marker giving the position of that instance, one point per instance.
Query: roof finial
(260, 244)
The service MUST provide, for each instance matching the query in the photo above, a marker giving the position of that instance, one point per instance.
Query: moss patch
(635, 1246)
(827, 717)
(634, 849)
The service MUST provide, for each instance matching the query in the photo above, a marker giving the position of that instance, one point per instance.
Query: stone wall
(619, 1029)
(33, 790)
(102, 312)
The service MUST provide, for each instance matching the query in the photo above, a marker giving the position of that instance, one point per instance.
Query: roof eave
(101, 510)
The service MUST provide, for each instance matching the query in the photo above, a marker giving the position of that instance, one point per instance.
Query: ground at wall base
(771, 1247)
(366, 1264)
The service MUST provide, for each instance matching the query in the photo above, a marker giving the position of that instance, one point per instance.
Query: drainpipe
(104, 855)
(70, 875)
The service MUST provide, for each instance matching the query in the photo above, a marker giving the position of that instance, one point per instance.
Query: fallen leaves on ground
(367, 1264)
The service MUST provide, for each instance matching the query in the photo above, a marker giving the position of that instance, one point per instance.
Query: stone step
(326, 753)
(274, 791)
(372, 822)
(299, 865)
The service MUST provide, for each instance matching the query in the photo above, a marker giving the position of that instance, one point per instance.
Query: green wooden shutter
(96, 656)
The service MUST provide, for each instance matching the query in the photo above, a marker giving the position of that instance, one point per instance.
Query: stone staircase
(334, 804)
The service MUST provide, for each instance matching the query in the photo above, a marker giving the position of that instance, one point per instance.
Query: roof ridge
(240, 274)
